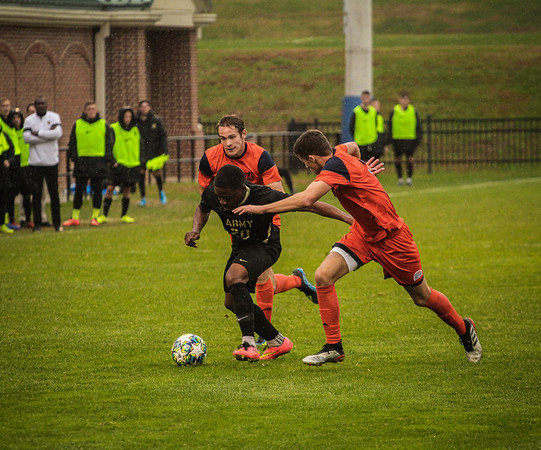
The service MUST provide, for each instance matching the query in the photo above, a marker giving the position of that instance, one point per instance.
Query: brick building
(116, 52)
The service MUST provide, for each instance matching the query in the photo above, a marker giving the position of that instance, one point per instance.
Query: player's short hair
(365, 92)
(144, 101)
(404, 94)
(231, 120)
(87, 104)
(229, 177)
(312, 142)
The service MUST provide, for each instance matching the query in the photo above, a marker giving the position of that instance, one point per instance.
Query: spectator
(405, 133)
(42, 130)
(90, 148)
(125, 170)
(6, 155)
(154, 152)
(380, 146)
(15, 162)
(363, 126)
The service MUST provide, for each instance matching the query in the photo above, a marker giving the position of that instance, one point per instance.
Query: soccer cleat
(13, 226)
(127, 219)
(409, 181)
(246, 352)
(306, 287)
(163, 198)
(261, 343)
(94, 222)
(30, 224)
(471, 343)
(102, 219)
(274, 352)
(329, 353)
(400, 181)
(72, 223)
(143, 202)
(5, 229)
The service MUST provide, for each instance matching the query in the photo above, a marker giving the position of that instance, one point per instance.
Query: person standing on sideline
(380, 147)
(154, 152)
(378, 234)
(42, 130)
(405, 133)
(7, 153)
(24, 181)
(363, 126)
(15, 163)
(90, 148)
(259, 168)
(125, 170)
(255, 246)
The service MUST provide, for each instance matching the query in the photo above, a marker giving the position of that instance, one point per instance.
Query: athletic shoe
(274, 352)
(102, 219)
(163, 198)
(143, 202)
(409, 181)
(329, 353)
(59, 229)
(5, 229)
(36, 230)
(261, 343)
(94, 222)
(471, 343)
(127, 219)
(13, 226)
(306, 287)
(30, 224)
(246, 352)
(400, 181)
(72, 223)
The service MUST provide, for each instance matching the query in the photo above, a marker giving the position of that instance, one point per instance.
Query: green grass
(89, 316)
(457, 59)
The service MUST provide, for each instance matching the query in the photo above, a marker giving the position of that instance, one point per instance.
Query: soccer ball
(189, 350)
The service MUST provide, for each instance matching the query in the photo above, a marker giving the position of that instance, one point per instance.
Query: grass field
(457, 58)
(89, 317)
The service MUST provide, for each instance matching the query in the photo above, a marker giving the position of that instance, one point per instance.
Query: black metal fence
(446, 143)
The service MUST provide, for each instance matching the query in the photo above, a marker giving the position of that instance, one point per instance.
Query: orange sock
(329, 310)
(441, 305)
(286, 282)
(264, 294)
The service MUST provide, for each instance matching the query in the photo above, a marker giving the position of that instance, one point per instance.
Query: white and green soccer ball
(189, 350)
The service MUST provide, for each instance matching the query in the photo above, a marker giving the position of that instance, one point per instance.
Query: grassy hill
(271, 61)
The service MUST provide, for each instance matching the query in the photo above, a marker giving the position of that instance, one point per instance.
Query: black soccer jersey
(247, 229)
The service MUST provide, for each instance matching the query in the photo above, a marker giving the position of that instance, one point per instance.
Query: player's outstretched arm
(326, 210)
(200, 219)
(298, 202)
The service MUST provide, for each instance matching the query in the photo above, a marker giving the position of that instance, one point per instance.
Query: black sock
(262, 326)
(125, 206)
(159, 182)
(107, 205)
(244, 308)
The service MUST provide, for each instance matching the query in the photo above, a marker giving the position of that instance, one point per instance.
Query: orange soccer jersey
(256, 163)
(361, 194)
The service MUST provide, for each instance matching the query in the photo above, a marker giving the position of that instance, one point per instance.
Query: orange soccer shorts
(397, 254)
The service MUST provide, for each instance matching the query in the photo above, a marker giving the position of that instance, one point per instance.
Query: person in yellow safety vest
(90, 148)
(6, 157)
(380, 147)
(125, 169)
(20, 172)
(363, 126)
(8, 128)
(405, 133)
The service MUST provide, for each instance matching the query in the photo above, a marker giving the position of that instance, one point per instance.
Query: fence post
(429, 143)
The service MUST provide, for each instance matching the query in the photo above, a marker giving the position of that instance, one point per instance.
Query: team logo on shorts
(418, 275)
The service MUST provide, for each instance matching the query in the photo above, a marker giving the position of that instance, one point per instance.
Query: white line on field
(463, 187)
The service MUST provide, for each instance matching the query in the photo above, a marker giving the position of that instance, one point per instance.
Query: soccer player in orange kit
(378, 234)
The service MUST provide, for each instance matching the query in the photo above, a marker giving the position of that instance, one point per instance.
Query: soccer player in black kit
(255, 246)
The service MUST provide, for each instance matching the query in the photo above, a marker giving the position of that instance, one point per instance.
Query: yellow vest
(12, 133)
(404, 123)
(127, 145)
(90, 137)
(365, 125)
(24, 147)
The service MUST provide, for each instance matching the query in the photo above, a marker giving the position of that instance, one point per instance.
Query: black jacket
(153, 137)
